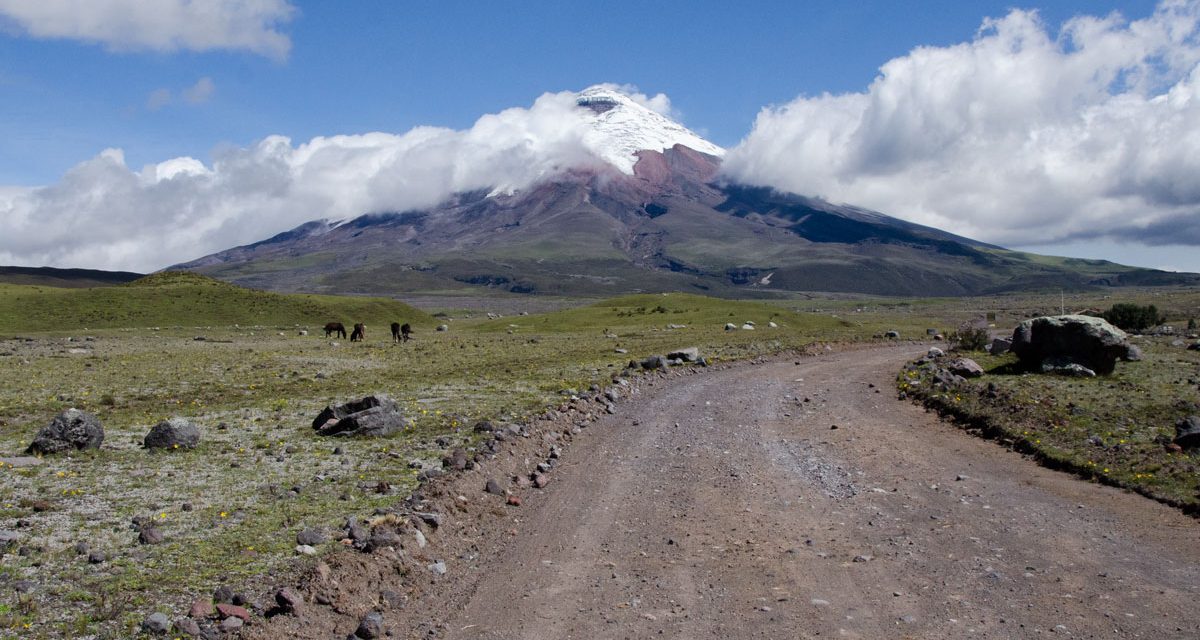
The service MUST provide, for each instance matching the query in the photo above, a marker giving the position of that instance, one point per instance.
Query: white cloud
(158, 99)
(200, 92)
(103, 214)
(1021, 136)
(159, 25)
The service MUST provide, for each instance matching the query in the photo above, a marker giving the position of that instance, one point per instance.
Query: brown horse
(335, 327)
(401, 332)
(359, 334)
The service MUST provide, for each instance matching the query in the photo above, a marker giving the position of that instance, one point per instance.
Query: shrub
(1132, 317)
(969, 338)
(1191, 324)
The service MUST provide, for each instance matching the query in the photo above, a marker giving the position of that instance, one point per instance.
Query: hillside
(52, 277)
(186, 299)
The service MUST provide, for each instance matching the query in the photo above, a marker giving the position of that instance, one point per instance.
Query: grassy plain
(231, 508)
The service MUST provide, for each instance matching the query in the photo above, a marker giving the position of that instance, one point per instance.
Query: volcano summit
(641, 206)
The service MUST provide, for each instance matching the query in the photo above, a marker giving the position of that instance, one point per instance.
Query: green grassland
(130, 355)
(1113, 429)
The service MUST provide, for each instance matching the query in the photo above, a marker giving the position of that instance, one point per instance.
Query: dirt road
(728, 506)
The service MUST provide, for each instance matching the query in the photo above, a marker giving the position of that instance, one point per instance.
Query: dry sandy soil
(727, 505)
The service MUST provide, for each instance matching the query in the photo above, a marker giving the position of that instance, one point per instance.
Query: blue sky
(310, 69)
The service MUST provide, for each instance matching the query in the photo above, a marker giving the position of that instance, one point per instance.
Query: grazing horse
(335, 327)
(401, 332)
(359, 334)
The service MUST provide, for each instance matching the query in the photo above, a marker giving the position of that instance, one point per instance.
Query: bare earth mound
(726, 505)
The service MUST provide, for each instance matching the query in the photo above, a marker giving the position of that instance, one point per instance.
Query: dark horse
(401, 332)
(359, 334)
(335, 327)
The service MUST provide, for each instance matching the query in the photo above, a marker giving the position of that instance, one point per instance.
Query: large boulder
(370, 417)
(71, 429)
(176, 433)
(1084, 340)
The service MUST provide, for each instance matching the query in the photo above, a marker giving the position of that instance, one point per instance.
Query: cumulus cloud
(104, 214)
(1021, 136)
(158, 25)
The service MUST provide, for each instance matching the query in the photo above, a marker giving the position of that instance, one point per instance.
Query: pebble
(305, 550)
(187, 627)
(438, 568)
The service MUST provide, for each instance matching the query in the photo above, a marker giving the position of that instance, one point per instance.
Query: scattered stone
(749, 326)
(494, 488)
(8, 538)
(863, 558)
(934, 352)
(1195, 346)
(421, 541)
(223, 593)
(97, 557)
(156, 624)
(175, 433)
(1058, 366)
(370, 627)
(965, 367)
(438, 568)
(432, 519)
(187, 627)
(690, 354)
(514, 501)
(229, 625)
(729, 326)
(150, 535)
(201, 609)
(306, 550)
(227, 610)
(311, 537)
(288, 600)
(71, 429)
(443, 327)
(458, 460)
(1087, 341)
(383, 540)
(892, 334)
(371, 416)
(999, 346)
(654, 362)
(1187, 432)
(1133, 354)
(540, 480)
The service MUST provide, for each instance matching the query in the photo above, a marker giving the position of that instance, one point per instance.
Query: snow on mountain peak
(621, 126)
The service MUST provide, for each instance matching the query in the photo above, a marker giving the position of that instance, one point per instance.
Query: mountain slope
(651, 217)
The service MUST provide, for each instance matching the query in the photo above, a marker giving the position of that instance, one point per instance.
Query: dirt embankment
(787, 499)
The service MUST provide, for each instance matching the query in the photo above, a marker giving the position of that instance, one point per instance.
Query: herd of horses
(400, 332)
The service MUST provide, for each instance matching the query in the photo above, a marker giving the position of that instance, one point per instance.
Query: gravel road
(800, 499)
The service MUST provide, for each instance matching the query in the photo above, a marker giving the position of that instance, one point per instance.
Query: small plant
(969, 338)
(1132, 317)
(1191, 324)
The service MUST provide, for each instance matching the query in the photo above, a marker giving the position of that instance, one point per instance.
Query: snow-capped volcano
(619, 127)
